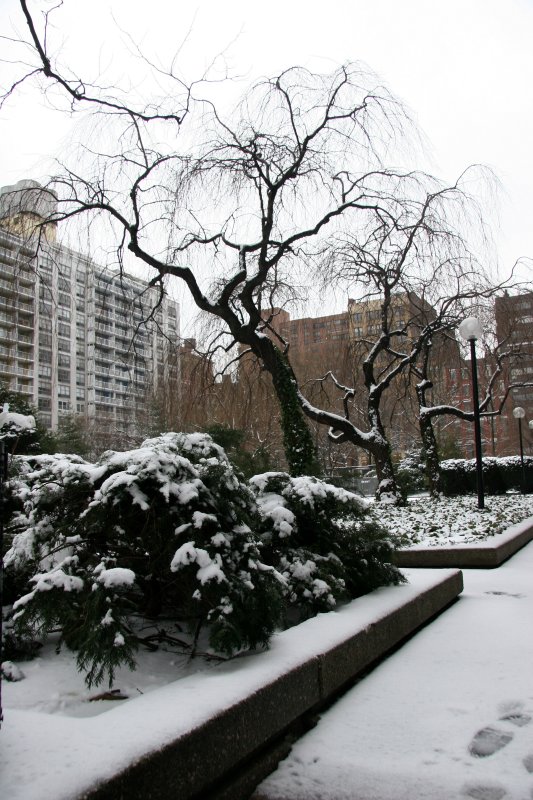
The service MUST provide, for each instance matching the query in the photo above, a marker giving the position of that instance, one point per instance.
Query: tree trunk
(429, 442)
(298, 442)
(431, 456)
(388, 490)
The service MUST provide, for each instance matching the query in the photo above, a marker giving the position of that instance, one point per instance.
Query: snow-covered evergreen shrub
(165, 528)
(410, 473)
(321, 539)
(499, 475)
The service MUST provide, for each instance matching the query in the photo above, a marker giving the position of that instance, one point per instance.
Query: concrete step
(484, 555)
(248, 731)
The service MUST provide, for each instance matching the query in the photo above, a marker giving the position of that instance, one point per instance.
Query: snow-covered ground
(421, 726)
(457, 520)
(450, 715)
(43, 745)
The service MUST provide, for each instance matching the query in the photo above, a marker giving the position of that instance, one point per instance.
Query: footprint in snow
(528, 762)
(492, 738)
(488, 741)
(485, 792)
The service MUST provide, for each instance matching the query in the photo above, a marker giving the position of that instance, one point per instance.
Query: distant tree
(39, 441)
(73, 436)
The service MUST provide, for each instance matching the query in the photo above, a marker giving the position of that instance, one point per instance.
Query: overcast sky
(464, 67)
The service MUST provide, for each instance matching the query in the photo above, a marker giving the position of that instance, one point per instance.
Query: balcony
(7, 257)
(24, 307)
(7, 369)
(24, 339)
(8, 286)
(23, 388)
(25, 322)
(104, 328)
(26, 291)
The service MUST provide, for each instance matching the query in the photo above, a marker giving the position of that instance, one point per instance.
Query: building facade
(514, 330)
(76, 338)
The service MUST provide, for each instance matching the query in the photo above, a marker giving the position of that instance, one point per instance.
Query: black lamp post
(519, 414)
(530, 426)
(470, 329)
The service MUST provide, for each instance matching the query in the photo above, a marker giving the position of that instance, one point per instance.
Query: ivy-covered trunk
(429, 441)
(388, 490)
(431, 456)
(298, 444)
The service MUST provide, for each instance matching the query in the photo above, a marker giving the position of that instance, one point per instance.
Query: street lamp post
(519, 414)
(530, 426)
(470, 329)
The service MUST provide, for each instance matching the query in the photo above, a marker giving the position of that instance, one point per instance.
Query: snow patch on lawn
(452, 521)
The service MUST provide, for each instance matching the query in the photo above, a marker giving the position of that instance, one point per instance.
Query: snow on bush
(165, 529)
(499, 475)
(319, 538)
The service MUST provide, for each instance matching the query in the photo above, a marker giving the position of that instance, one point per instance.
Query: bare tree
(241, 203)
(250, 201)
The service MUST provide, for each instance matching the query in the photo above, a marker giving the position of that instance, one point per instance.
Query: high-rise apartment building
(76, 338)
(514, 330)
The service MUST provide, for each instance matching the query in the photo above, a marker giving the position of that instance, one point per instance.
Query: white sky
(464, 67)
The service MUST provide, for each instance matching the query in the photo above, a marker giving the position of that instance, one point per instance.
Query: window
(63, 360)
(45, 404)
(45, 356)
(80, 394)
(63, 375)
(63, 405)
(63, 391)
(63, 330)
(45, 371)
(45, 339)
(63, 313)
(64, 345)
(64, 299)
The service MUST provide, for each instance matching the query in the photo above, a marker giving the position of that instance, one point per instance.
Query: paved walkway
(450, 715)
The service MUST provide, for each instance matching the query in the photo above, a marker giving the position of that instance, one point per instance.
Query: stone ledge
(484, 555)
(227, 755)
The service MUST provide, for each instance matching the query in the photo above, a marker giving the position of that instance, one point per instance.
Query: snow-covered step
(486, 554)
(216, 734)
